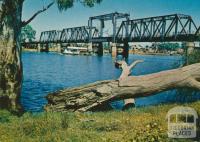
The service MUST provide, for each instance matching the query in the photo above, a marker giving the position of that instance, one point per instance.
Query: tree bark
(94, 96)
(10, 54)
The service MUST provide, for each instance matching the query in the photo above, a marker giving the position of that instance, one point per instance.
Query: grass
(135, 125)
(144, 124)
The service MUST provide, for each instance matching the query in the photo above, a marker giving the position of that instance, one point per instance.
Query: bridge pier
(114, 50)
(125, 50)
(190, 47)
(100, 49)
(44, 48)
(89, 47)
(38, 47)
(59, 47)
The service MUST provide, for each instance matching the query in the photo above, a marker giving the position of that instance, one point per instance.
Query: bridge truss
(50, 36)
(78, 34)
(69, 35)
(177, 27)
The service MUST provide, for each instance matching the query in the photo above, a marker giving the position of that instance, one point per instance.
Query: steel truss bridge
(176, 27)
(69, 35)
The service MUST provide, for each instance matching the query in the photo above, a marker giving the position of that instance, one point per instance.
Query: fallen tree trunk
(92, 96)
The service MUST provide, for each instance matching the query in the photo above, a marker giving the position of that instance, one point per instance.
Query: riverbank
(131, 52)
(136, 125)
(36, 50)
(157, 54)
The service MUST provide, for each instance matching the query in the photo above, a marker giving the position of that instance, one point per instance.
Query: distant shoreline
(160, 54)
(131, 53)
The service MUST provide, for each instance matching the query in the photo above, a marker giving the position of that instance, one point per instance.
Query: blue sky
(78, 15)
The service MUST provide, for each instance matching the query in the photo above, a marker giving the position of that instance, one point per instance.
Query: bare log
(92, 96)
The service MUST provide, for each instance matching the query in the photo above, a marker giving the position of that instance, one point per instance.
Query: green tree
(27, 34)
(187, 94)
(10, 49)
(193, 57)
(168, 46)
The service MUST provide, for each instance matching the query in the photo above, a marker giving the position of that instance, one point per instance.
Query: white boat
(71, 52)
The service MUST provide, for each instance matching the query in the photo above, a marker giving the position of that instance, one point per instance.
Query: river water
(48, 72)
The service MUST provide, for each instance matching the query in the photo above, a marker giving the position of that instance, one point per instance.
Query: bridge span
(166, 28)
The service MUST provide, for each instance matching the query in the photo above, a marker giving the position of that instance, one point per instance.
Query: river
(48, 72)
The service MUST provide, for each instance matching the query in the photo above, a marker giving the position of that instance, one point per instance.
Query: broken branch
(24, 23)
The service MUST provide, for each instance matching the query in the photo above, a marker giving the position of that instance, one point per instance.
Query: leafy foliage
(168, 46)
(186, 94)
(66, 4)
(27, 33)
(194, 57)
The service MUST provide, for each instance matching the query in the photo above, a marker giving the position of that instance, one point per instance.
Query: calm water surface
(48, 72)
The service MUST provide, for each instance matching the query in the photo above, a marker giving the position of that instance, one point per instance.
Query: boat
(71, 52)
